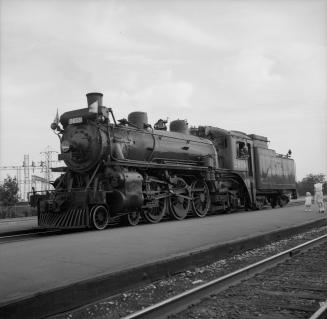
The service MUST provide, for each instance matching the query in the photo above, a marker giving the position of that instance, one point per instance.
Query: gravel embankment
(293, 289)
(136, 299)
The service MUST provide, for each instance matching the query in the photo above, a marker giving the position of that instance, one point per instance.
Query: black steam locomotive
(127, 170)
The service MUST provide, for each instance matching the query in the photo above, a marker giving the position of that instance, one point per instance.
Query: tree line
(306, 184)
(9, 192)
(8, 197)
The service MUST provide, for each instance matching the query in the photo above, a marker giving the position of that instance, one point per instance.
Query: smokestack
(94, 101)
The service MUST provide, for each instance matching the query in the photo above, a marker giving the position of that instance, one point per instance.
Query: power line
(48, 164)
(28, 170)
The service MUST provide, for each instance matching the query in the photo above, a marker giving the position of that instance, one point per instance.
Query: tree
(9, 191)
(306, 185)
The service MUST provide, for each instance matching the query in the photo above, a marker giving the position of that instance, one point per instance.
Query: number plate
(75, 120)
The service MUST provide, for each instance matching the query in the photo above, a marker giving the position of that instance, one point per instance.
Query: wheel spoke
(133, 218)
(99, 217)
(201, 198)
(155, 214)
(179, 204)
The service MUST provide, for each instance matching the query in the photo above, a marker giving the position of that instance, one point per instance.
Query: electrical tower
(25, 174)
(48, 165)
(27, 183)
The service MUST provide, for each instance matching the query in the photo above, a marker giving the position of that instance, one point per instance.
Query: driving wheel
(155, 213)
(201, 198)
(180, 200)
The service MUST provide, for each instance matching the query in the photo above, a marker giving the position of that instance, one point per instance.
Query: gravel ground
(292, 289)
(123, 304)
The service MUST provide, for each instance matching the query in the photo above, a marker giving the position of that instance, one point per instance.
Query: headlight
(65, 146)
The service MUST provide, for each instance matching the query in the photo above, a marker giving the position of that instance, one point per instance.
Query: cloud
(180, 30)
(173, 94)
(155, 93)
(249, 70)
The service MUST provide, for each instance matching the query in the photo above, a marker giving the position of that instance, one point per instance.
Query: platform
(35, 266)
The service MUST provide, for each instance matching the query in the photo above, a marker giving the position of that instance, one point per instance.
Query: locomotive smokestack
(94, 101)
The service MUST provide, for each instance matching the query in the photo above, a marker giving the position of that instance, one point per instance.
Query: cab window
(242, 151)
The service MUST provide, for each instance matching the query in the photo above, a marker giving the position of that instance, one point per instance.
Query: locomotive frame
(127, 171)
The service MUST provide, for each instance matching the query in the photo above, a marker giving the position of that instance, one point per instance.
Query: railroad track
(207, 292)
(27, 235)
(17, 219)
(321, 313)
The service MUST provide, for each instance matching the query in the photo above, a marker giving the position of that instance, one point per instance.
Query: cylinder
(139, 119)
(179, 126)
(94, 101)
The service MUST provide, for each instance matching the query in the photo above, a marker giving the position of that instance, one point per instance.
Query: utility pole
(27, 187)
(47, 165)
(18, 181)
(28, 169)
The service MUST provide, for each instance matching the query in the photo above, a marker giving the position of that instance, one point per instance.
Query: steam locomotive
(127, 171)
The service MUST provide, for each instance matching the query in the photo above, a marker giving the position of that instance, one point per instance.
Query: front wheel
(99, 217)
(133, 218)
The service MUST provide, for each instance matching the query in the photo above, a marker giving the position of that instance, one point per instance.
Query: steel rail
(321, 313)
(17, 219)
(27, 235)
(180, 302)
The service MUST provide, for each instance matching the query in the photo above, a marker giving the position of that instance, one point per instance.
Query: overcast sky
(254, 66)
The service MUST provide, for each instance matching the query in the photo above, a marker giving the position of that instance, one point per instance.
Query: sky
(254, 66)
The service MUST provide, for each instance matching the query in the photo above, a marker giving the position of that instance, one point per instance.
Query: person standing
(319, 198)
(308, 202)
